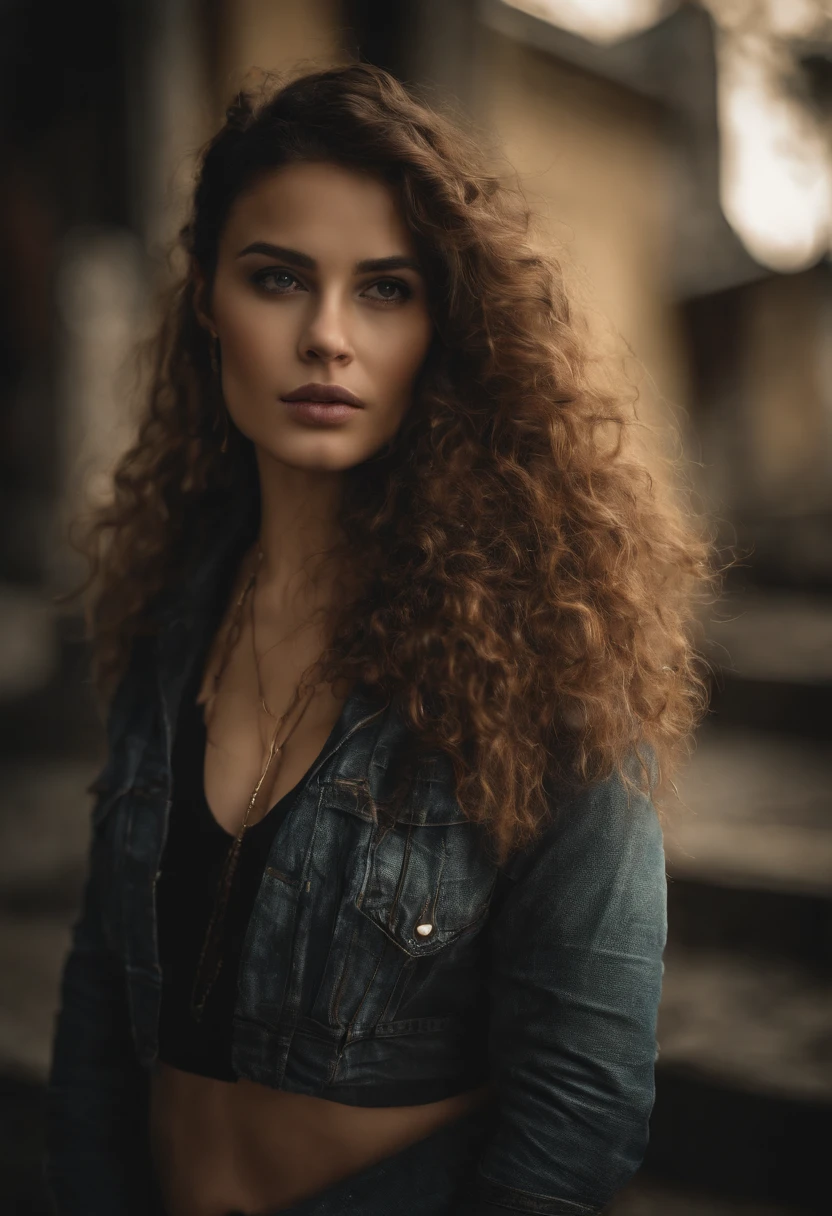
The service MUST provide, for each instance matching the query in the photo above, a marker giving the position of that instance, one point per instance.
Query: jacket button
(424, 930)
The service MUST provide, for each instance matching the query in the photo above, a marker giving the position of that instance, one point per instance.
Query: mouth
(324, 394)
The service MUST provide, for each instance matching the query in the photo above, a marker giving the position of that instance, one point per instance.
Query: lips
(325, 394)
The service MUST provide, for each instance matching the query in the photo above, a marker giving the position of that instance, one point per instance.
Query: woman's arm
(97, 1158)
(575, 986)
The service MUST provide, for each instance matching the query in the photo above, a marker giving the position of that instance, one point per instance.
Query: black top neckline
(192, 865)
(200, 738)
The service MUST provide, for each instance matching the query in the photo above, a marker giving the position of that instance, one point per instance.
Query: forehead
(322, 209)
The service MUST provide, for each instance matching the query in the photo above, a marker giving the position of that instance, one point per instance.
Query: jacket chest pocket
(428, 881)
(415, 887)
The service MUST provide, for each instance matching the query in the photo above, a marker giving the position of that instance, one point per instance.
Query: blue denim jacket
(543, 975)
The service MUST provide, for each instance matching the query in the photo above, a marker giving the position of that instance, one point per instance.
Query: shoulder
(610, 814)
(602, 847)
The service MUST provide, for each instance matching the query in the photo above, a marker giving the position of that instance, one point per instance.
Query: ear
(201, 299)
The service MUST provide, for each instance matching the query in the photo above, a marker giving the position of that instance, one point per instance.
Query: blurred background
(681, 155)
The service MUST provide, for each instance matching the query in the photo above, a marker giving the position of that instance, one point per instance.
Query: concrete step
(757, 1025)
(778, 706)
(749, 846)
(751, 922)
(29, 650)
(47, 709)
(743, 1079)
(790, 549)
(771, 649)
(773, 634)
(755, 812)
(44, 830)
(32, 953)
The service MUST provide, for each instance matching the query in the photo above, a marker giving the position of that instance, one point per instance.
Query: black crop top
(192, 862)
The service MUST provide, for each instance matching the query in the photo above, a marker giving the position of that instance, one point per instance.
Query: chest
(240, 733)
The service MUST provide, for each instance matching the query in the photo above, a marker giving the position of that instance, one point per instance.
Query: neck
(298, 525)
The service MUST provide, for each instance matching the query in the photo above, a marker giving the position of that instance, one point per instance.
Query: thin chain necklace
(301, 685)
(210, 959)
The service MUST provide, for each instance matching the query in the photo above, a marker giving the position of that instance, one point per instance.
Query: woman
(397, 649)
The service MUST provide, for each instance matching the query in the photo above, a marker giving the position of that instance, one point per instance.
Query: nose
(325, 337)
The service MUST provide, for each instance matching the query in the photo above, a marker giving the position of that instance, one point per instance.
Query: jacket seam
(529, 1201)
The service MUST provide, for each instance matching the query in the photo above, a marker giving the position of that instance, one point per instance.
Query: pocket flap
(427, 885)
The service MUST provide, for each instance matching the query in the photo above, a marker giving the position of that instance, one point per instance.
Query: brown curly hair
(530, 589)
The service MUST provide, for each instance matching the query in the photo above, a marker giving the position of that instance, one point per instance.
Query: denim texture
(543, 976)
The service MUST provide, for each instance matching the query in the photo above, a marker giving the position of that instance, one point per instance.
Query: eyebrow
(303, 261)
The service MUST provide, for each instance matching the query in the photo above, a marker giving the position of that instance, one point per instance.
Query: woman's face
(317, 284)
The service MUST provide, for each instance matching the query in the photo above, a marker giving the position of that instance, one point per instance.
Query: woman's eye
(278, 282)
(390, 291)
(283, 282)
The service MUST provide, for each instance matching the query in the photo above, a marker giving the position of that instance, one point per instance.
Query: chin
(320, 452)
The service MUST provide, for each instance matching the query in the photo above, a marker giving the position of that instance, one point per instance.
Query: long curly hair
(530, 588)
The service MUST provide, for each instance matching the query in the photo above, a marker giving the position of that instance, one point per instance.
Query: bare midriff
(221, 1147)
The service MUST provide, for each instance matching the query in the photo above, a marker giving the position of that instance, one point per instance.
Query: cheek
(252, 335)
(399, 358)
(251, 346)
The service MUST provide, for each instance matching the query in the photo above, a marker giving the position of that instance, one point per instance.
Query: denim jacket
(542, 976)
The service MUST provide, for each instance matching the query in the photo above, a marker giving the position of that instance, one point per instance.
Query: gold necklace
(210, 959)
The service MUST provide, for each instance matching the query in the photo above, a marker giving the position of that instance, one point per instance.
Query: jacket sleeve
(97, 1160)
(575, 982)
(97, 1157)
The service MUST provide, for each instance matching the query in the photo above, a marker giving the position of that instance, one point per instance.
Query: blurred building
(615, 116)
